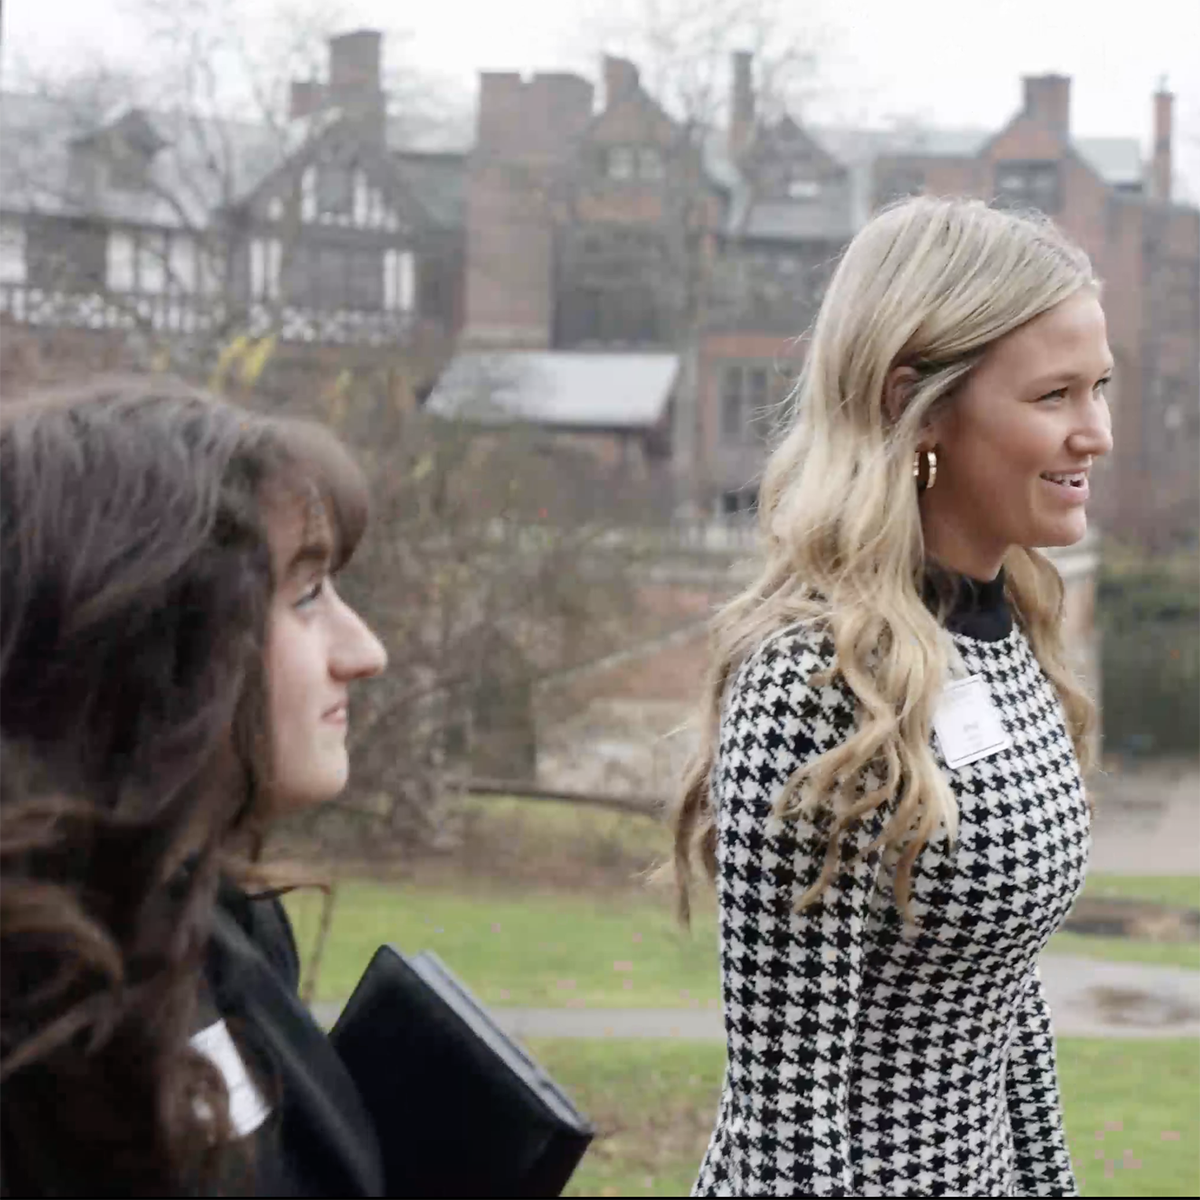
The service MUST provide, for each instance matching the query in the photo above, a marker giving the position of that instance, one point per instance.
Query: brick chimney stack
(355, 81)
(1048, 99)
(1161, 167)
(741, 108)
(354, 66)
(620, 79)
(526, 132)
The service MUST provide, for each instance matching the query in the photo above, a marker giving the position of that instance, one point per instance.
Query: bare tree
(167, 205)
(683, 49)
(685, 55)
(489, 566)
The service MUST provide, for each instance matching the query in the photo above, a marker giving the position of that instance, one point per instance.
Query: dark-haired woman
(175, 670)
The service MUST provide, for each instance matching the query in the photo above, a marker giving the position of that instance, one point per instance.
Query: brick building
(1146, 249)
(581, 225)
(131, 227)
(609, 228)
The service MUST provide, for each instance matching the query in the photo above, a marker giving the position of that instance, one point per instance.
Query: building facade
(578, 223)
(634, 233)
(184, 229)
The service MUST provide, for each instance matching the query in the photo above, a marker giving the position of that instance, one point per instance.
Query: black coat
(319, 1139)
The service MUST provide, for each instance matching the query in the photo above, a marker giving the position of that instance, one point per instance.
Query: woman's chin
(319, 787)
(1065, 532)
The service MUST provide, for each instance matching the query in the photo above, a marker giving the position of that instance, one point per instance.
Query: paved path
(1088, 998)
(1148, 821)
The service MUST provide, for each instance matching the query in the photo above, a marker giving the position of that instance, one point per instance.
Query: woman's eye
(1057, 394)
(312, 594)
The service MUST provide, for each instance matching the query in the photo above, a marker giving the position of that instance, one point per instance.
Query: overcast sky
(947, 62)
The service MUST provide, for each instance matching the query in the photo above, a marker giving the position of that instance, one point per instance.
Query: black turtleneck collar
(974, 607)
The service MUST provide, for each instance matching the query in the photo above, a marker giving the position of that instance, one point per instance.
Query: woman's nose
(361, 654)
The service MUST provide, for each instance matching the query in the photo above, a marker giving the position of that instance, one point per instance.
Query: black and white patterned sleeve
(791, 981)
(1043, 1163)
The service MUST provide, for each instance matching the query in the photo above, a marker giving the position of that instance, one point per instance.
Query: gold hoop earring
(931, 465)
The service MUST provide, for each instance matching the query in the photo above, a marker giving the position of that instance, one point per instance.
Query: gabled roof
(199, 164)
(1116, 160)
(557, 388)
(203, 163)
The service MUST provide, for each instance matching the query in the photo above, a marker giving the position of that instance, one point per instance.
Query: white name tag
(967, 725)
(247, 1108)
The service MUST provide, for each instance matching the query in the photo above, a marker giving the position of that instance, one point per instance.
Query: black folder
(459, 1108)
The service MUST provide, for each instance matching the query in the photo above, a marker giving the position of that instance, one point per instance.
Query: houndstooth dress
(867, 1057)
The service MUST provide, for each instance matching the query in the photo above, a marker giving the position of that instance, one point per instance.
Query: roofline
(458, 155)
(555, 426)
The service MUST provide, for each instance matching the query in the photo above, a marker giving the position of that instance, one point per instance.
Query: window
(743, 500)
(308, 194)
(128, 169)
(266, 255)
(145, 261)
(1028, 185)
(621, 162)
(731, 404)
(69, 255)
(650, 163)
(626, 314)
(634, 162)
(183, 265)
(152, 263)
(335, 189)
(122, 260)
(362, 199)
(745, 400)
(333, 277)
(803, 189)
(12, 252)
(399, 280)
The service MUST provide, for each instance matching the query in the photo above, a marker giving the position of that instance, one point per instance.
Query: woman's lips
(1071, 493)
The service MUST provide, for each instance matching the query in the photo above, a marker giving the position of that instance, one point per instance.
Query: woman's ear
(897, 389)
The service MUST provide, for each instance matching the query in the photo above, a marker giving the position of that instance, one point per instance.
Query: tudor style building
(580, 230)
(171, 224)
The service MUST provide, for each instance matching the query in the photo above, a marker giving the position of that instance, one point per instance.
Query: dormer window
(1028, 185)
(634, 162)
(803, 189)
(621, 162)
(335, 189)
(650, 163)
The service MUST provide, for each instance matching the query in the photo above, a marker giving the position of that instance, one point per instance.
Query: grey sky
(946, 62)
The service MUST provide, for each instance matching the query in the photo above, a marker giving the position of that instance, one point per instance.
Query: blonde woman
(888, 795)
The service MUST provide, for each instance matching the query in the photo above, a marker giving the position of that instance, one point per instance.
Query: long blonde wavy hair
(930, 284)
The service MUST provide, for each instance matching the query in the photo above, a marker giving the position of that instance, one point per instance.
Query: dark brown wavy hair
(135, 582)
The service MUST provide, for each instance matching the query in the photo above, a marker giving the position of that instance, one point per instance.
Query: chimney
(1048, 99)
(741, 109)
(354, 68)
(535, 119)
(620, 79)
(307, 98)
(1160, 171)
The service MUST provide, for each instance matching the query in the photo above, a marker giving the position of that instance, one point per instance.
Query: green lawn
(622, 949)
(1131, 1109)
(538, 949)
(1182, 891)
